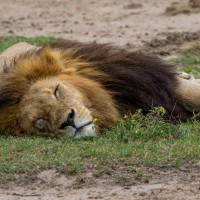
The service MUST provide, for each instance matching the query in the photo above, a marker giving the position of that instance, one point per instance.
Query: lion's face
(52, 107)
(54, 92)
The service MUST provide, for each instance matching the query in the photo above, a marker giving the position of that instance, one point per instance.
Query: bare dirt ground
(182, 184)
(133, 24)
(127, 23)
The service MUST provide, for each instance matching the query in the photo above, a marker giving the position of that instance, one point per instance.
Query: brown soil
(180, 184)
(142, 24)
(122, 22)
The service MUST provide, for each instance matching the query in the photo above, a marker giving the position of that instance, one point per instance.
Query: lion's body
(108, 81)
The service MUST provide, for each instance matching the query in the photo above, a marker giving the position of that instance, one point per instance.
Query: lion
(60, 89)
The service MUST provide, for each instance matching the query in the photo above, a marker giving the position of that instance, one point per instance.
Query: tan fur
(188, 92)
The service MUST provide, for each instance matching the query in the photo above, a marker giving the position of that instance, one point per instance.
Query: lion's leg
(189, 77)
(188, 93)
(7, 56)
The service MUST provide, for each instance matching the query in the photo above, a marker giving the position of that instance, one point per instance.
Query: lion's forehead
(39, 106)
(41, 102)
(32, 113)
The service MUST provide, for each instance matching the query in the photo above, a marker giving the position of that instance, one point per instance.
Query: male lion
(59, 89)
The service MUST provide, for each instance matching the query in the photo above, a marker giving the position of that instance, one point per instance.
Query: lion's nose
(69, 121)
(70, 117)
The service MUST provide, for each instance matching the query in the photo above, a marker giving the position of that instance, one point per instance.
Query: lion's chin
(86, 131)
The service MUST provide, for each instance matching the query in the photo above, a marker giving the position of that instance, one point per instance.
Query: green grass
(137, 141)
(190, 60)
(6, 42)
(195, 70)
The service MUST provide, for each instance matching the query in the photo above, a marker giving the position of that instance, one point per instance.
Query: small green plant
(145, 127)
(120, 178)
(171, 9)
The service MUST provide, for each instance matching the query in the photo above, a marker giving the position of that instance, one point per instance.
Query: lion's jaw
(52, 107)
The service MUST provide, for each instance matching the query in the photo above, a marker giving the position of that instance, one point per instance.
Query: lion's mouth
(72, 124)
(78, 130)
(66, 124)
(83, 129)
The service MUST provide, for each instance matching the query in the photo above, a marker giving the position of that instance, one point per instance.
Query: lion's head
(49, 92)
(52, 107)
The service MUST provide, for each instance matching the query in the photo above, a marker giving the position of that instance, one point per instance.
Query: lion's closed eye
(57, 92)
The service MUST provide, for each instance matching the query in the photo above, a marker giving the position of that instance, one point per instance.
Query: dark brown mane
(137, 80)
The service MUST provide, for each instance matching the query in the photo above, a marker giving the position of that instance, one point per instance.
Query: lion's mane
(133, 79)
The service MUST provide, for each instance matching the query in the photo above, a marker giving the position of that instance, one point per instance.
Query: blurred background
(131, 23)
